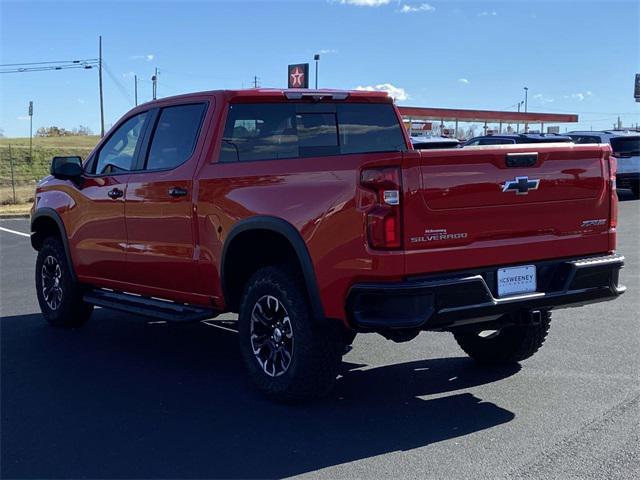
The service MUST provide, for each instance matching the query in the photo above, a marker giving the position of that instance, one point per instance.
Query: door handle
(115, 193)
(177, 192)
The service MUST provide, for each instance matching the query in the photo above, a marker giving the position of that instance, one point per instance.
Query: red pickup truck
(309, 213)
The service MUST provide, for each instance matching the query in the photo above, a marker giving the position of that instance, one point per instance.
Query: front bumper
(447, 301)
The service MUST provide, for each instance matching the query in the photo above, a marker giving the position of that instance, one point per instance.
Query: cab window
(175, 136)
(117, 155)
(496, 141)
(585, 139)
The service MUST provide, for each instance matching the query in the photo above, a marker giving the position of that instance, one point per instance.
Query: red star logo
(297, 76)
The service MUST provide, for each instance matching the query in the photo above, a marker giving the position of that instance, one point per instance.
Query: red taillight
(383, 218)
(613, 203)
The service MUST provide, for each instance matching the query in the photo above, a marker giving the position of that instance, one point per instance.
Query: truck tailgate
(499, 205)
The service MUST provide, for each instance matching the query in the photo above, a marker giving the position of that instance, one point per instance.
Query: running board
(149, 307)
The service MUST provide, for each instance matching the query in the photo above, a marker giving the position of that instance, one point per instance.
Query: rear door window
(290, 130)
(175, 136)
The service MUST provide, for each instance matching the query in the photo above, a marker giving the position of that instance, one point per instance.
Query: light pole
(526, 94)
(100, 86)
(520, 103)
(316, 57)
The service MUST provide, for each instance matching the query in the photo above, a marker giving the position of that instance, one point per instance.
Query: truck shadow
(123, 398)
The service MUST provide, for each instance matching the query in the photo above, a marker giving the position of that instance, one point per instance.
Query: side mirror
(66, 168)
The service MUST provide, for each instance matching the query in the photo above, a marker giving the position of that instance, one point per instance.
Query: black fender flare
(290, 233)
(55, 216)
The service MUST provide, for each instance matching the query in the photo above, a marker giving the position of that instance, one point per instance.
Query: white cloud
(395, 92)
(589, 93)
(423, 7)
(543, 99)
(578, 96)
(23, 117)
(128, 74)
(324, 51)
(148, 57)
(487, 14)
(365, 3)
(464, 81)
(81, 101)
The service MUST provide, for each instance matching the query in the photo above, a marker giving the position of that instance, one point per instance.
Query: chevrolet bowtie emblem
(521, 185)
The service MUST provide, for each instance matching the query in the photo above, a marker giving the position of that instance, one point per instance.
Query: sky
(574, 56)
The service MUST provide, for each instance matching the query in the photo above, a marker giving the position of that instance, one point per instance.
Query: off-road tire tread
(317, 343)
(73, 312)
(512, 345)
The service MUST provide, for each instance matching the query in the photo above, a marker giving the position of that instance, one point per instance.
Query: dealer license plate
(514, 280)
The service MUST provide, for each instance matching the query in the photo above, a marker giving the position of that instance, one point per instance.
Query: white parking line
(211, 323)
(14, 232)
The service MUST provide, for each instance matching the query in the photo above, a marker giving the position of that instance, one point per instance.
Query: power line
(51, 65)
(45, 63)
(44, 68)
(115, 80)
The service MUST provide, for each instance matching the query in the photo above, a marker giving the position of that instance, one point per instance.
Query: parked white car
(424, 142)
(626, 149)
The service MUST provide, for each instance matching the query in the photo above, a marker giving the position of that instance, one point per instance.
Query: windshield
(626, 146)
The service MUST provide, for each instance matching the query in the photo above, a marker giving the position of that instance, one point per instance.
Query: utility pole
(100, 83)
(316, 57)
(135, 88)
(31, 131)
(526, 94)
(154, 81)
(255, 81)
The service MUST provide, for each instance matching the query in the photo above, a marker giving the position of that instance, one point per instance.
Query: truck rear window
(626, 146)
(290, 130)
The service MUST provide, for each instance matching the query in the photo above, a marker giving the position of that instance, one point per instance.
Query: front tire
(289, 355)
(59, 296)
(506, 346)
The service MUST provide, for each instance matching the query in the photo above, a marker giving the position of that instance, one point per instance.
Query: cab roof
(285, 94)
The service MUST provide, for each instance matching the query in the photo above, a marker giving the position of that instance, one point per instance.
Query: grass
(17, 169)
(81, 141)
(10, 210)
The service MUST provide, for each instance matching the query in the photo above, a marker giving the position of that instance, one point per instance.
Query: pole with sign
(298, 75)
(31, 131)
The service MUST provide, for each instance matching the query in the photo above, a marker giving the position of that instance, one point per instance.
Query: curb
(8, 216)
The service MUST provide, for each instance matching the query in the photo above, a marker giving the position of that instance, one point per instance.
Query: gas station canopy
(484, 116)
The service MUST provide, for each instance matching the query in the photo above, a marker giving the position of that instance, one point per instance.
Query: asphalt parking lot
(125, 398)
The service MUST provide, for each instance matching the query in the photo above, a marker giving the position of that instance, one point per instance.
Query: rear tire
(289, 355)
(59, 296)
(509, 345)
